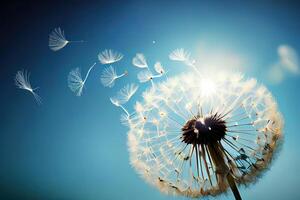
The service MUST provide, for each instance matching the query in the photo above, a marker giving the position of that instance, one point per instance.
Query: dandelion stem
(217, 155)
(76, 41)
(87, 74)
(233, 187)
(127, 113)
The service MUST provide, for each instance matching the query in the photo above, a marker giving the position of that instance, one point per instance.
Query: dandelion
(123, 96)
(140, 61)
(109, 76)
(198, 137)
(75, 81)
(109, 56)
(57, 39)
(22, 82)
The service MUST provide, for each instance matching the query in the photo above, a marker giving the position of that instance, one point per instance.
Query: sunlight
(208, 87)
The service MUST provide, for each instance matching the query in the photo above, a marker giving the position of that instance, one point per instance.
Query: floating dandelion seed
(123, 97)
(75, 81)
(159, 68)
(22, 82)
(57, 39)
(144, 76)
(126, 93)
(183, 56)
(140, 61)
(109, 56)
(196, 137)
(109, 76)
(179, 55)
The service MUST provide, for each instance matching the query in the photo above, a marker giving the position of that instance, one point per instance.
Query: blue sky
(74, 147)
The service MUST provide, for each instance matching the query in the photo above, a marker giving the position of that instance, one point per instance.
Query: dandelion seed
(109, 56)
(159, 68)
(185, 57)
(57, 39)
(211, 141)
(140, 61)
(125, 119)
(144, 76)
(115, 101)
(22, 82)
(126, 93)
(179, 55)
(109, 76)
(123, 96)
(75, 81)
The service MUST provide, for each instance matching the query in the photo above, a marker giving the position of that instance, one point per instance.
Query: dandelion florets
(187, 140)
(204, 130)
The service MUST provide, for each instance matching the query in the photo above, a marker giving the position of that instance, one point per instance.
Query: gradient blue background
(75, 148)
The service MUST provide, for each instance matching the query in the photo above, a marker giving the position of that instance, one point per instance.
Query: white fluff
(75, 81)
(144, 76)
(126, 93)
(140, 61)
(179, 55)
(109, 76)
(109, 56)
(123, 96)
(159, 68)
(57, 39)
(22, 82)
(158, 153)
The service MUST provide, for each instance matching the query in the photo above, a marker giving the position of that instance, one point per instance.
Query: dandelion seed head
(191, 133)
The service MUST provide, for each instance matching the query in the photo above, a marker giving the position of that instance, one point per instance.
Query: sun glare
(208, 87)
